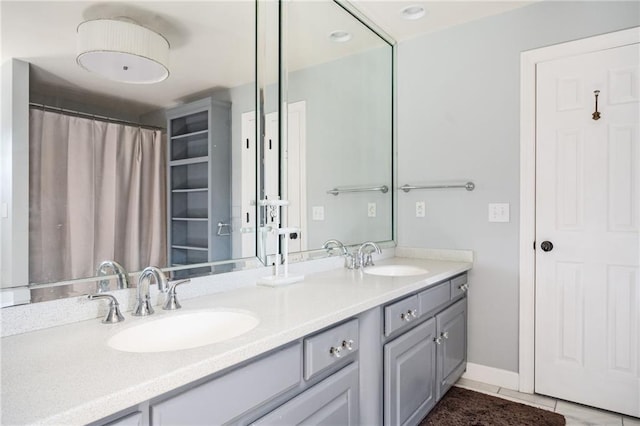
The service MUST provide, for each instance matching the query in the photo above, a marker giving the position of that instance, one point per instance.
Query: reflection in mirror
(140, 174)
(337, 168)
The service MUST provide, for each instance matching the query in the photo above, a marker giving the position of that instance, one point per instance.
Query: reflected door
(587, 213)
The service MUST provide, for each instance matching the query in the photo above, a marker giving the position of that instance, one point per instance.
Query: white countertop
(68, 375)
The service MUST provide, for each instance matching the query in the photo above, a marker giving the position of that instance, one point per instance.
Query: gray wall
(347, 142)
(348, 104)
(458, 119)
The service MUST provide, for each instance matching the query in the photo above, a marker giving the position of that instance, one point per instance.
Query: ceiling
(439, 14)
(212, 42)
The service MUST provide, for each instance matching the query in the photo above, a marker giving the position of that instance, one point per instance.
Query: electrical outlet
(317, 212)
(371, 209)
(420, 209)
(499, 212)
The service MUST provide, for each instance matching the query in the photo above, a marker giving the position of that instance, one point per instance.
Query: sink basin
(395, 270)
(184, 330)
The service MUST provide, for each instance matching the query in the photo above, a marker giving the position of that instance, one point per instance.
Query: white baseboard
(493, 376)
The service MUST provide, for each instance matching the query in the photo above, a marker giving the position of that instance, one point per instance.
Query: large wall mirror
(170, 174)
(336, 159)
(142, 174)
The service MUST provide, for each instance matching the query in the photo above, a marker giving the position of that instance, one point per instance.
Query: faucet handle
(114, 315)
(172, 298)
(368, 260)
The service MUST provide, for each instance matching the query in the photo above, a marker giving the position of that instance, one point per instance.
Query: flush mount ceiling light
(122, 51)
(413, 12)
(340, 36)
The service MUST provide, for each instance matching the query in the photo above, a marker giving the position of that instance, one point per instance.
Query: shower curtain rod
(93, 116)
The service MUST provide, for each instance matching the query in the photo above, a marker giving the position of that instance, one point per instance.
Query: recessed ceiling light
(413, 12)
(340, 36)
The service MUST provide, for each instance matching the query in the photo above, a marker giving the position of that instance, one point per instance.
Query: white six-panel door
(587, 206)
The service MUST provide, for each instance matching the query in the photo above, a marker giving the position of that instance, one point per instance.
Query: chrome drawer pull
(438, 340)
(409, 315)
(347, 344)
(335, 351)
(444, 334)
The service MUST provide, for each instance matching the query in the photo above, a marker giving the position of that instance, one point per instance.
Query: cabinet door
(334, 401)
(409, 375)
(452, 349)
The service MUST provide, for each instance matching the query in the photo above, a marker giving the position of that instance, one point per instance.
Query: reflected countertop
(68, 374)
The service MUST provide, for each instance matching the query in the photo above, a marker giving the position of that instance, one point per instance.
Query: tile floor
(576, 414)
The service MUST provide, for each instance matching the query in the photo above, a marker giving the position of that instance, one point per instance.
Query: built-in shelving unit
(199, 182)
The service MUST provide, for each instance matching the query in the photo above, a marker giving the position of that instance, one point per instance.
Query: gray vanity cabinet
(422, 363)
(451, 342)
(228, 397)
(334, 401)
(409, 378)
(199, 182)
(133, 419)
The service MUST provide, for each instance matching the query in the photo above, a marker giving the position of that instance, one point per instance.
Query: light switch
(499, 212)
(371, 209)
(420, 209)
(317, 212)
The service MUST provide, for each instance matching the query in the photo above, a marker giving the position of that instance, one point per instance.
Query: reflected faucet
(331, 244)
(143, 299)
(361, 260)
(111, 267)
(349, 260)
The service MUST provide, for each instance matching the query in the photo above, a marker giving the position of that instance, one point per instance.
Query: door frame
(528, 62)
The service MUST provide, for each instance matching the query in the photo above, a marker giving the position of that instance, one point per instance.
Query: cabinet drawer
(458, 285)
(227, 397)
(330, 347)
(434, 297)
(399, 314)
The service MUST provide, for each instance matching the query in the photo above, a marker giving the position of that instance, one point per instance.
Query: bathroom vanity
(343, 347)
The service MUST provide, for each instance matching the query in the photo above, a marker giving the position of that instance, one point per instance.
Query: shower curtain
(97, 192)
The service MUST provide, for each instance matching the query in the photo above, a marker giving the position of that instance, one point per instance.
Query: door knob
(546, 246)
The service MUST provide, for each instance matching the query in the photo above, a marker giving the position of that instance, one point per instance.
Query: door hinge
(534, 245)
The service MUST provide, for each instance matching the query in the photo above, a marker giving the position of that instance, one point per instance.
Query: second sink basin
(184, 330)
(395, 270)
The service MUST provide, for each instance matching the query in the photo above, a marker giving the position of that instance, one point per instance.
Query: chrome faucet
(143, 299)
(361, 260)
(114, 315)
(109, 267)
(172, 297)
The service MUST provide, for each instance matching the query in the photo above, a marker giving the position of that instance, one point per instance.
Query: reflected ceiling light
(340, 36)
(413, 12)
(122, 51)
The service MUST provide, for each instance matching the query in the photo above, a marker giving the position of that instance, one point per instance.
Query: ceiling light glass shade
(122, 51)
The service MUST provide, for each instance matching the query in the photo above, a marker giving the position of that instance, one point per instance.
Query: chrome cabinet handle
(463, 287)
(347, 344)
(409, 315)
(335, 351)
(438, 340)
(444, 334)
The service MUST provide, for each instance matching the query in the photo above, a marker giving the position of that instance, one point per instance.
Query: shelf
(187, 161)
(190, 248)
(190, 190)
(191, 219)
(186, 135)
